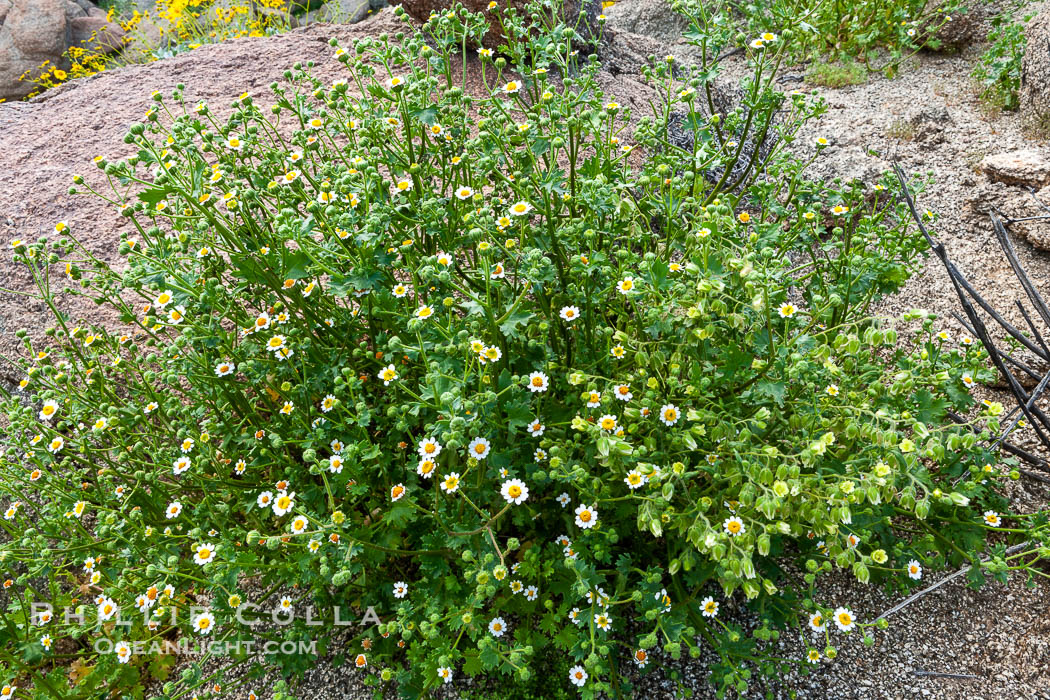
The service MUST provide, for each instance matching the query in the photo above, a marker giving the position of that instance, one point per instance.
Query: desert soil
(996, 639)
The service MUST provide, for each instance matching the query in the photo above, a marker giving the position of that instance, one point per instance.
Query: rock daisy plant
(546, 388)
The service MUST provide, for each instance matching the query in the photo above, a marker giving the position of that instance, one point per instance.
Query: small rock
(1029, 167)
(73, 10)
(969, 24)
(927, 124)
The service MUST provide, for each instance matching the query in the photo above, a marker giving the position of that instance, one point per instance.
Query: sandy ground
(997, 638)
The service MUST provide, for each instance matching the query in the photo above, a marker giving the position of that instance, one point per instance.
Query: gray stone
(1035, 76)
(5, 5)
(652, 18)
(927, 124)
(74, 10)
(968, 25)
(339, 12)
(1029, 167)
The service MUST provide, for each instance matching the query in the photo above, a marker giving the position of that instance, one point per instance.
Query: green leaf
(472, 663)
(160, 667)
(297, 265)
(154, 194)
(489, 657)
(427, 115)
(773, 390)
(517, 318)
(566, 638)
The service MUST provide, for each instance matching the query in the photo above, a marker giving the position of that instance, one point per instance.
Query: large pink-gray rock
(38, 27)
(32, 32)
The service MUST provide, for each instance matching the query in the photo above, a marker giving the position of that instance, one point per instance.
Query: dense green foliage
(878, 34)
(998, 71)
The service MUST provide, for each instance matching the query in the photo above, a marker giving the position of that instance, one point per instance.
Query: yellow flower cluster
(183, 25)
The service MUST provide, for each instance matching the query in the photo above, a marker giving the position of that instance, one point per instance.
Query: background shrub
(998, 71)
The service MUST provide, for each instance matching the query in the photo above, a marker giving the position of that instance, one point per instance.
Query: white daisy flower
(669, 414)
(479, 448)
(173, 510)
(635, 479)
(538, 382)
(204, 554)
(586, 516)
(283, 503)
(520, 208)
(388, 374)
(450, 484)
(204, 622)
(734, 526)
(844, 619)
(514, 491)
